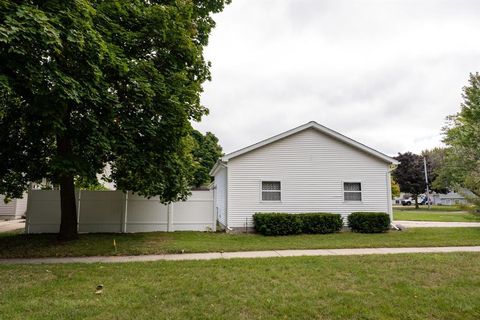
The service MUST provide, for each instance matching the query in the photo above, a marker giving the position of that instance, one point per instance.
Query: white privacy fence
(115, 211)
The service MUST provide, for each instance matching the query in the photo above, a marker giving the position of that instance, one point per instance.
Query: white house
(13, 209)
(310, 168)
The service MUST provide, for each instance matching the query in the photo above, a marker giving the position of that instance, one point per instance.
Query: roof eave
(218, 165)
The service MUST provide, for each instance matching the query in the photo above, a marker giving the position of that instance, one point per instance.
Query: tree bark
(68, 207)
(68, 223)
(416, 202)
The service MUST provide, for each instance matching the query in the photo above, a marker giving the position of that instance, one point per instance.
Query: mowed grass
(421, 286)
(19, 245)
(425, 207)
(436, 213)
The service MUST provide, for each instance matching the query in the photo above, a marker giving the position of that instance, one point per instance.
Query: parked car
(426, 201)
(421, 201)
(407, 201)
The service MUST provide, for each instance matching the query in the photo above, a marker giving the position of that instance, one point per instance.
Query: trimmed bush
(321, 222)
(369, 222)
(276, 224)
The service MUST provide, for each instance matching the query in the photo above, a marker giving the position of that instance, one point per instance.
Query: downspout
(389, 196)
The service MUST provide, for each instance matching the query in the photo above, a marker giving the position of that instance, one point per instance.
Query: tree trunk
(416, 202)
(68, 223)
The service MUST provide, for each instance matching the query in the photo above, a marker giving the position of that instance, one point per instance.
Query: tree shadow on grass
(17, 245)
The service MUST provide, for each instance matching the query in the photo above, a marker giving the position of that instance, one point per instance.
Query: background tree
(410, 174)
(395, 187)
(462, 137)
(206, 152)
(86, 83)
(435, 161)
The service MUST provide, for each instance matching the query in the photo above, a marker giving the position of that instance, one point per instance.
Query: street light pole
(426, 181)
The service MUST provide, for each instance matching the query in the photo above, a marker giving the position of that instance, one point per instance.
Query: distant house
(14, 209)
(310, 168)
(448, 199)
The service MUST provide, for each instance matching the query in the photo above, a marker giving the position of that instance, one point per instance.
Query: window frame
(346, 191)
(279, 191)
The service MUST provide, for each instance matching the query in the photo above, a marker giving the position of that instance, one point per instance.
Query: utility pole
(426, 181)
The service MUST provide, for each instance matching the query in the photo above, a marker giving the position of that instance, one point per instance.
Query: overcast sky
(383, 72)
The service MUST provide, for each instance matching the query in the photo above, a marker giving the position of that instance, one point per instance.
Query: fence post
(170, 217)
(78, 209)
(29, 207)
(125, 212)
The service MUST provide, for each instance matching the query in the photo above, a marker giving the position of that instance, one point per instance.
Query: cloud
(383, 72)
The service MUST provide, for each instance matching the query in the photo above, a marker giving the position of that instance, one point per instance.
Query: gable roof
(310, 125)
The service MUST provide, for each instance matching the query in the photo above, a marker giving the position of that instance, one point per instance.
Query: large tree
(410, 174)
(85, 83)
(462, 137)
(206, 152)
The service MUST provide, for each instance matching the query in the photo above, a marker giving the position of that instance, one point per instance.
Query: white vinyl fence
(115, 211)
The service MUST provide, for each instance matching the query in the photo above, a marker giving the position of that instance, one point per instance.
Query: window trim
(344, 191)
(261, 190)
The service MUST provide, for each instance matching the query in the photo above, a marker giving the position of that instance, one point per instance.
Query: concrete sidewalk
(436, 224)
(244, 254)
(10, 225)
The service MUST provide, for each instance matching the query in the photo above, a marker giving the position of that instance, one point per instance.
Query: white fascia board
(218, 165)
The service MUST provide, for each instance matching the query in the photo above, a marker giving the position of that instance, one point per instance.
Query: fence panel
(195, 214)
(115, 211)
(144, 215)
(100, 211)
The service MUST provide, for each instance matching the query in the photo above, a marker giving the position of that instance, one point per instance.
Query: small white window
(352, 191)
(271, 191)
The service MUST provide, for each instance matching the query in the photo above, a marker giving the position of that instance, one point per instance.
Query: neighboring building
(307, 169)
(448, 199)
(14, 209)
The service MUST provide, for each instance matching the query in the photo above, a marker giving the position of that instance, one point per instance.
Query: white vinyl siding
(352, 191)
(14, 209)
(312, 168)
(7, 210)
(271, 191)
(220, 198)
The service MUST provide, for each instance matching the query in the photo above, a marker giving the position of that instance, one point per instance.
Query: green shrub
(369, 222)
(321, 222)
(275, 224)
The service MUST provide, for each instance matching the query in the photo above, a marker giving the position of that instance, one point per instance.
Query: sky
(383, 72)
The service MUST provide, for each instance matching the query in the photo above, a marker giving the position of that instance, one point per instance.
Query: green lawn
(433, 208)
(420, 286)
(437, 213)
(20, 245)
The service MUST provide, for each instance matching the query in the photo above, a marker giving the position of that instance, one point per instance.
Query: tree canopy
(86, 83)
(206, 152)
(462, 137)
(395, 187)
(435, 162)
(410, 174)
